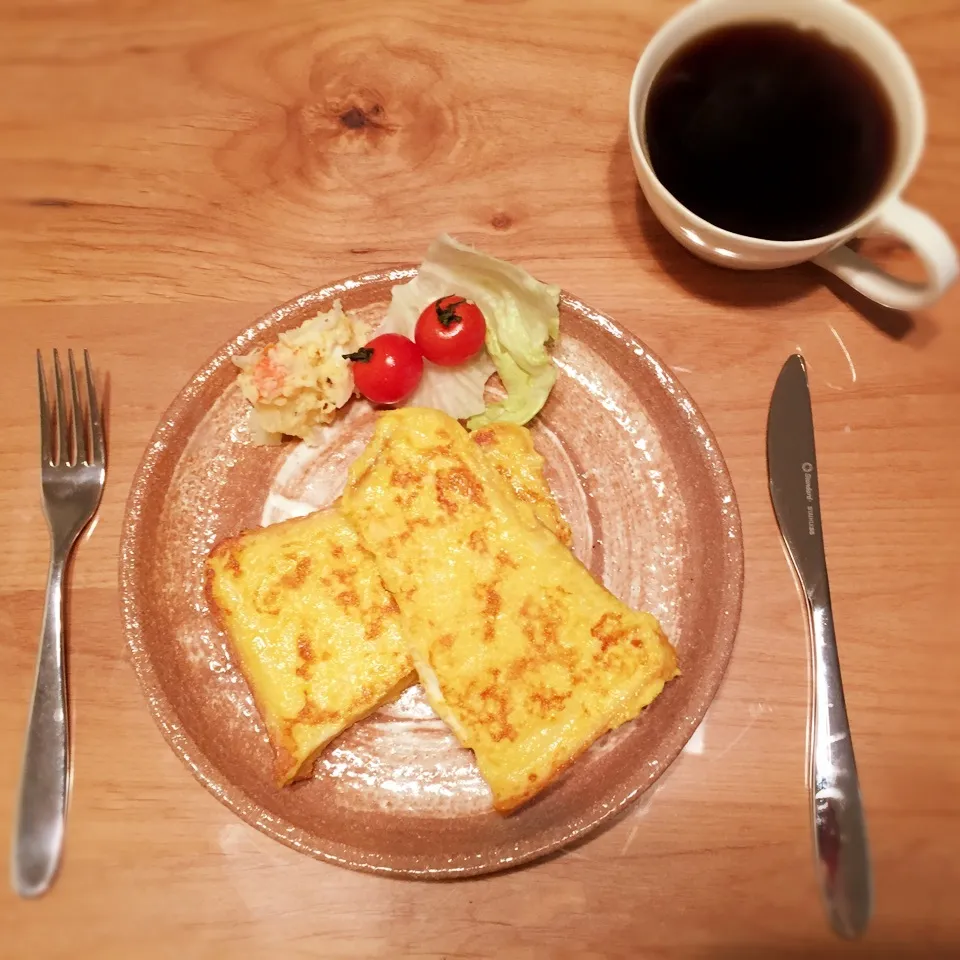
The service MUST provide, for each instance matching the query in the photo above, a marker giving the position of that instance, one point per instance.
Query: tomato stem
(362, 355)
(447, 313)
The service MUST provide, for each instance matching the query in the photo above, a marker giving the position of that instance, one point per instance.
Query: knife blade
(839, 826)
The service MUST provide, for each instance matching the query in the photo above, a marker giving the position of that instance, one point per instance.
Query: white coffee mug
(849, 27)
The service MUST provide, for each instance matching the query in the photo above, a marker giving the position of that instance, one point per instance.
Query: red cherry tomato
(388, 369)
(450, 331)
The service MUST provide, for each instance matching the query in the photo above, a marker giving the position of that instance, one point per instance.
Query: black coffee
(770, 131)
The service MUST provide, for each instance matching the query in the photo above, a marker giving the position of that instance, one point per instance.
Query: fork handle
(42, 812)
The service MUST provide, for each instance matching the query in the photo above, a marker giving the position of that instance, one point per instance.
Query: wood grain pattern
(170, 170)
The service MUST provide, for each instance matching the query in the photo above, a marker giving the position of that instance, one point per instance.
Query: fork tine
(79, 424)
(46, 454)
(96, 421)
(63, 438)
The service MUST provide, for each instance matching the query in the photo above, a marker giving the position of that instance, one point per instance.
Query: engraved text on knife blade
(808, 486)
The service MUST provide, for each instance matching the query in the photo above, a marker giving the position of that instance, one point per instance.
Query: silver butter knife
(839, 828)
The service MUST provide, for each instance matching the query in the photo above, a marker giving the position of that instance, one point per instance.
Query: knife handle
(840, 831)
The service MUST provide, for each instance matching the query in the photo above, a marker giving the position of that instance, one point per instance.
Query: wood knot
(369, 112)
(356, 118)
(501, 221)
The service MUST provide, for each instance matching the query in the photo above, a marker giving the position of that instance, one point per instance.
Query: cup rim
(893, 189)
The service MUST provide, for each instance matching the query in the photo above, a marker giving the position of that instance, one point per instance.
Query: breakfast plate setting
(254, 565)
(435, 570)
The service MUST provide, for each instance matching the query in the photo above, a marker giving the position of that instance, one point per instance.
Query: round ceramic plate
(638, 475)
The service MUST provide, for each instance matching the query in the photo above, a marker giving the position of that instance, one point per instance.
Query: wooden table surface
(170, 170)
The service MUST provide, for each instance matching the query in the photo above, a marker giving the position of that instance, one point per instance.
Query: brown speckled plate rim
(233, 797)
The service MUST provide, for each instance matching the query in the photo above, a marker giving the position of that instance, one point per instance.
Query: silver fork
(72, 471)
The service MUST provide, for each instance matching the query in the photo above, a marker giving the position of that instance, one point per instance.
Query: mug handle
(918, 231)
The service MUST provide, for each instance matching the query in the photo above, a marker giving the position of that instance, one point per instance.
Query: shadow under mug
(849, 27)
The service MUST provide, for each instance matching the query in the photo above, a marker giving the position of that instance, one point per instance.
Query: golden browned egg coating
(316, 634)
(509, 448)
(523, 654)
